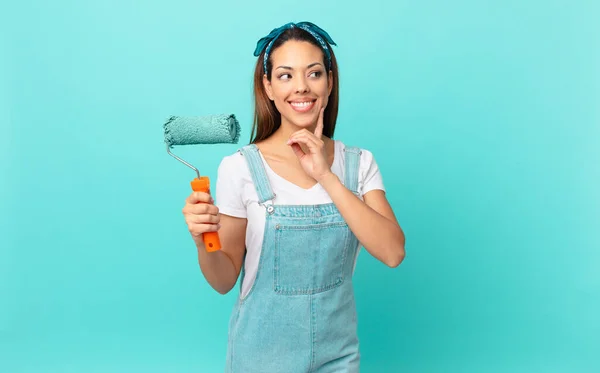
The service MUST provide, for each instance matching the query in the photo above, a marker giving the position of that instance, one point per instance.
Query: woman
(292, 208)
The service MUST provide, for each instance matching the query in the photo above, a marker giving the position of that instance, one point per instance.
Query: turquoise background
(483, 117)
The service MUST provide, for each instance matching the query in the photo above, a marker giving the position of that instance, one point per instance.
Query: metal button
(270, 209)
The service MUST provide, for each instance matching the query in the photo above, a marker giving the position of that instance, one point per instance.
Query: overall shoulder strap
(258, 173)
(352, 165)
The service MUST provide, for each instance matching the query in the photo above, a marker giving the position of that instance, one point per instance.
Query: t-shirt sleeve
(229, 187)
(370, 177)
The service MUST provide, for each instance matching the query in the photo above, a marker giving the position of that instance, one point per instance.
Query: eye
(316, 74)
(285, 76)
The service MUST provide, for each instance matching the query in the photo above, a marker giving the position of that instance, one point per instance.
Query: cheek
(281, 103)
(280, 93)
(321, 88)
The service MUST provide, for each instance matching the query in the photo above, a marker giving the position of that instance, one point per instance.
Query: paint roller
(192, 130)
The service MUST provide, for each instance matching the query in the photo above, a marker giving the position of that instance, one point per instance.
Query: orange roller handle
(211, 239)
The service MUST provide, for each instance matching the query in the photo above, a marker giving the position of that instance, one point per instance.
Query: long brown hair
(267, 118)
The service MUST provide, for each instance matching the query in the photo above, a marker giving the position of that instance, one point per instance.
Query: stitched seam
(276, 260)
(313, 326)
(345, 253)
(352, 163)
(288, 290)
(258, 173)
(294, 227)
(260, 263)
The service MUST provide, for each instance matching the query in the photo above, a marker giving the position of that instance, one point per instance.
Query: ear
(268, 88)
(330, 82)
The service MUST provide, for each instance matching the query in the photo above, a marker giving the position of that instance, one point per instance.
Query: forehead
(294, 52)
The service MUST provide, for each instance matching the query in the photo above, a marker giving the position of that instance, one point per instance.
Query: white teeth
(301, 104)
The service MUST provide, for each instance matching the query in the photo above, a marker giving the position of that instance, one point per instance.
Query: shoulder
(366, 156)
(369, 175)
(232, 161)
(233, 166)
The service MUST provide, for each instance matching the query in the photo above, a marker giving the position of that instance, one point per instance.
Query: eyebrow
(308, 67)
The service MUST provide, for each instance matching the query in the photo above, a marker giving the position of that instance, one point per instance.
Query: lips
(302, 106)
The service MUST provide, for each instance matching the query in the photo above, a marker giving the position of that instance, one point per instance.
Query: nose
(301, 86)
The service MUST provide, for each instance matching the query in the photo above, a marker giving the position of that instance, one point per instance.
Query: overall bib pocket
(309, 258)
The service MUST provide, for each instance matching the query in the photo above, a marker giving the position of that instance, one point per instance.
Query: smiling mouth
(302, 106)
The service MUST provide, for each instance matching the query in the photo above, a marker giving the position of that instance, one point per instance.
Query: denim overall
(300, 314)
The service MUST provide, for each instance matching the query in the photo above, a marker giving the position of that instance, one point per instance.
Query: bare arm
(220, 268)
(372, 221)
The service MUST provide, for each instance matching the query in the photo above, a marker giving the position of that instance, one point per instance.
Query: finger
(314, 145)
(203, 208)
(319, 128)
(197, 197)
(197, 229)
(200, 208)
(306, 135)
(203, 219)
(301, 132)
(298, 150)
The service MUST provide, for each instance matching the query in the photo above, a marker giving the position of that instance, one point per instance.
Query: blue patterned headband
(318, 33)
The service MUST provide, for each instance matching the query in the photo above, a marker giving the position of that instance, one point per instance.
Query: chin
(302, 121)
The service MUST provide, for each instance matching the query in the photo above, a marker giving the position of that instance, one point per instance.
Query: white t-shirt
(236, 196)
